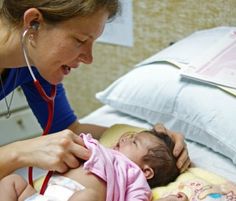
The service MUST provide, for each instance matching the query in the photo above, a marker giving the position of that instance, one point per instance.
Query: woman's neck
(10, 47)
(1, 70)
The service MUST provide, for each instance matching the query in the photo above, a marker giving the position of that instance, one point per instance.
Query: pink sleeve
(138, 188)
(98, 159)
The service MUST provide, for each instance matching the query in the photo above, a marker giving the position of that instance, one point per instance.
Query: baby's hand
(179, 197)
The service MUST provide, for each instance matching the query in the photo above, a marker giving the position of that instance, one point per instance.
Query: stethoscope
(48, 99)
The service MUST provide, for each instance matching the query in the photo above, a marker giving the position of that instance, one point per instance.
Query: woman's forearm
(10, 159)
(95, 130)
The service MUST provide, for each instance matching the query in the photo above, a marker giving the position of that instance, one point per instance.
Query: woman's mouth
(66, 69)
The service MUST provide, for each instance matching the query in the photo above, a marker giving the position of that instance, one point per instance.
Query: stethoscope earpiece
(34, 25)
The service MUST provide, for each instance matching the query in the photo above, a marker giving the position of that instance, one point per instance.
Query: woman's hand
(57, 152)
(180, 150)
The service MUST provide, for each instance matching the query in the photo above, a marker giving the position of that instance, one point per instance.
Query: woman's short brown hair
(55, 11)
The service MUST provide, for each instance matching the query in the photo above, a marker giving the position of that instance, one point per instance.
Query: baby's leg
(15, 188)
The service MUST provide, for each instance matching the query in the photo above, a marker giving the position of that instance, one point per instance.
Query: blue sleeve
(63, 114)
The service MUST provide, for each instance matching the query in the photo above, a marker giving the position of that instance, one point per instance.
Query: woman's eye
(79, 42)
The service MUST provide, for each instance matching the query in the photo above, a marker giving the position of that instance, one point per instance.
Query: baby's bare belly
(88, 180)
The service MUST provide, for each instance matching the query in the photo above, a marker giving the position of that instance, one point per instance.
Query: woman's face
(57, 49)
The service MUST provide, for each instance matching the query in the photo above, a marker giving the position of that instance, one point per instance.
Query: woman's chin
(53, 77)
(54, 80)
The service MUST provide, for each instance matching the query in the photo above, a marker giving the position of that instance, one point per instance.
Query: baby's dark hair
(161, 159)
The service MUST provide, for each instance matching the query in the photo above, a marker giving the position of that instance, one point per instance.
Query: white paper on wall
(120, 30)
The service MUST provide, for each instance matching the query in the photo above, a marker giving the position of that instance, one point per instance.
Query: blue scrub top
(63, 113)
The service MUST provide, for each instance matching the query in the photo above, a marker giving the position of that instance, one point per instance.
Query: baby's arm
(15, 188)
(87, 194)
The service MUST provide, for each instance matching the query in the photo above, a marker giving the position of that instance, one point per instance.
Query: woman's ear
(32, 16)
(148, 171)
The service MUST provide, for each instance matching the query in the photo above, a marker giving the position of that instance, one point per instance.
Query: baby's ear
(148, 171)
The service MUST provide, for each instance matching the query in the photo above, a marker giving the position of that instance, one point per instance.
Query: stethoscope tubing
(50, 101)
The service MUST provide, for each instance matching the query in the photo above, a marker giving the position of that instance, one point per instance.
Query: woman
(57, 36)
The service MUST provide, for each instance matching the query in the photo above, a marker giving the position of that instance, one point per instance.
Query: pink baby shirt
(125, 180)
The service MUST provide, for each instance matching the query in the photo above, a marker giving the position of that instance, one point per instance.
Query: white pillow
(155, 93)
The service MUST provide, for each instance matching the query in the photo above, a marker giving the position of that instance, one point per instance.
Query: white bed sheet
(200, 155)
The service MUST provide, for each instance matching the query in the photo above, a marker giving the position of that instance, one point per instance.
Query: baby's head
(152, 151)
(161, 159)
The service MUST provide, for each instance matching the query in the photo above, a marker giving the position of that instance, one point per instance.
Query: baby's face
(136, 145)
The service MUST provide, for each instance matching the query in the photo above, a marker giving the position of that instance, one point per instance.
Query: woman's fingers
(57, 152)
(177, 138)
(71, 161)
(185, 165)
(183, 161)
(74, 150)
(80, 150)
(76, 153)
(61, 167)
(179, 142)
(180, 149)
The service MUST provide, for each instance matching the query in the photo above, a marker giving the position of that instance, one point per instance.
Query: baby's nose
(126, 139)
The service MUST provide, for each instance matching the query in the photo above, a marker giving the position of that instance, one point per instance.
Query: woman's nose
(86, 59)
(86, 54)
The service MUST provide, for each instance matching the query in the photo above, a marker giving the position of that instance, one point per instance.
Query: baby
(126, 172)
